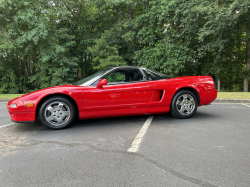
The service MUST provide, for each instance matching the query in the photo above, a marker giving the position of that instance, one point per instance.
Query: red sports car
(118, 91)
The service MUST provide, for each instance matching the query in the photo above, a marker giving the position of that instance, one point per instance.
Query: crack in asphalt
(11, 140)
(33, 142)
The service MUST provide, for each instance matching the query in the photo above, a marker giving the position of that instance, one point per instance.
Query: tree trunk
(218, 85)
(135, 39)
(247, 55)
(78, 15)
(177, 31)
(82, 73)
(77, 74)
(131, 17)
(76, 21)
(26, 64)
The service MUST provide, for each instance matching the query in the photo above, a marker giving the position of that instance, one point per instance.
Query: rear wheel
(184, 104)
(57, 113)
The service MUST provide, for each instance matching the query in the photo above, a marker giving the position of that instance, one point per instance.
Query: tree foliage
(45, 43)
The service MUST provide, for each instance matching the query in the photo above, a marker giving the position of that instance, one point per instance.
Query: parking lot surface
(210, 149)
(4, 114)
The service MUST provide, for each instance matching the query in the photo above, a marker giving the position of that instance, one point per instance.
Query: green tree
(46, 43)
(35, 34)
(105, 55)
(221, 27)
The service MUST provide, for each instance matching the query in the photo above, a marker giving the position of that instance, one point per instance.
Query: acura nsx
(118, 91)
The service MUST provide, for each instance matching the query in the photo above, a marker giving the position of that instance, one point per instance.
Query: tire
(57, 113)
(184, 104)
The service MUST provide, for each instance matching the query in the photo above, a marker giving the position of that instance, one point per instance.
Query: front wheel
(57, 113)
(184, 104)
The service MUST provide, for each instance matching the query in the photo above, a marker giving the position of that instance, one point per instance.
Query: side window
(123, 76)
(133, 75)
(137, 76)
(115, 77)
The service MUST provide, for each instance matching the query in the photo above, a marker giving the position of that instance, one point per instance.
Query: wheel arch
(56, 95)
(193, 90)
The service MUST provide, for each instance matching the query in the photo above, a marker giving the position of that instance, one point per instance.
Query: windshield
(87, 81)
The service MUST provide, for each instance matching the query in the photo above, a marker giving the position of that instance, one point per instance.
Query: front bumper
(23, 117)
(31, 122)
(19, 113)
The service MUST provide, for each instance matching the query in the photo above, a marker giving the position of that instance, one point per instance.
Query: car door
(135, 96)
(126, 92)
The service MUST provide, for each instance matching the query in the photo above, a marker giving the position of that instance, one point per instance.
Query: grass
(233, 95)
(9, 96)
(221, 95)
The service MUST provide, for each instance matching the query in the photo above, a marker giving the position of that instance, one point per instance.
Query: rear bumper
(206, 102)
(209, 98)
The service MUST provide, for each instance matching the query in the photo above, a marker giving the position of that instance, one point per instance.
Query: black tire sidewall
(55, 99)
(173, 109)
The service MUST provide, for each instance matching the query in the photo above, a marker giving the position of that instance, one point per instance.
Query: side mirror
(101, 83)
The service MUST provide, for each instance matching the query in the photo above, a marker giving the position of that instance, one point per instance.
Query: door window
(124, 76)
(115, 77)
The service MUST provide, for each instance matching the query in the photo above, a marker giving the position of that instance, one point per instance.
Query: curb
(5, 100)
(231, 101)
(215, 101)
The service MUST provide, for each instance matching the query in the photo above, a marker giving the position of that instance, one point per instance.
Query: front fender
(36, 97)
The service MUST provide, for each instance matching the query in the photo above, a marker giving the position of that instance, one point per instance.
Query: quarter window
(150, 76)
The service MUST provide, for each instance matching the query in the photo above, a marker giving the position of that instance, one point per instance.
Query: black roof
(127, 67)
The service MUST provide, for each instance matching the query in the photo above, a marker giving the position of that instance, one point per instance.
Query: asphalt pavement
(210, 149)
(4, 114)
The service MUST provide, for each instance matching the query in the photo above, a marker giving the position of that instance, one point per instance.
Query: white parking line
(138, 139)
(7, 125)
(224, 103)
(246, 105)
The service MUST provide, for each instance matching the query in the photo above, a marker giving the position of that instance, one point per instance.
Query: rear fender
(191, 87)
